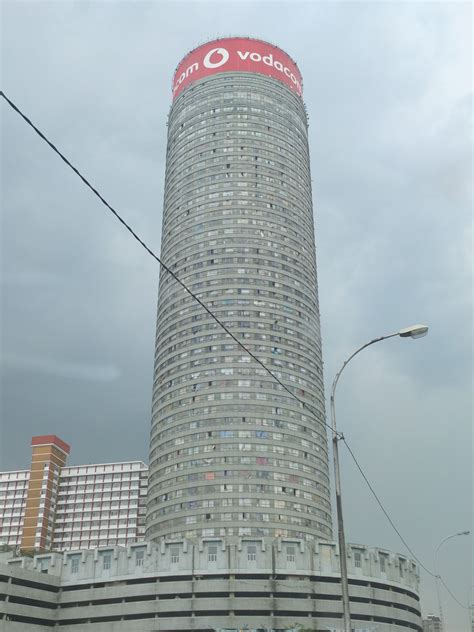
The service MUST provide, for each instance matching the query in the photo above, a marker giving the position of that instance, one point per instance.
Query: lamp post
(448, 537)
(416, 331)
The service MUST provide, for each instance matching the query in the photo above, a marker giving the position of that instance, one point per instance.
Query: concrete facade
(232, 452)
(211, 584)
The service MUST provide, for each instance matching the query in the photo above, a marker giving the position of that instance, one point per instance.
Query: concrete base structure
(210, 584)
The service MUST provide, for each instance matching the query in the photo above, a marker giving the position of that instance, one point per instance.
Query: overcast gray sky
(388, 92)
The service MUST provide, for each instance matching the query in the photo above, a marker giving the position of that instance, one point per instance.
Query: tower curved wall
(231, 452)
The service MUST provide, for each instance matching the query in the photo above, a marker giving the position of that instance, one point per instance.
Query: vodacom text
(267, 60)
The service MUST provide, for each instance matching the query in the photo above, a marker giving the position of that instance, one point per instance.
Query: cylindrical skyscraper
(231, 452)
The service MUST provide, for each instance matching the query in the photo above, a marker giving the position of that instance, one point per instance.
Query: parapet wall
(209, 584)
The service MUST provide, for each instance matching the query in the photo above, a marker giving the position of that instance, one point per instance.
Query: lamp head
(415, 331)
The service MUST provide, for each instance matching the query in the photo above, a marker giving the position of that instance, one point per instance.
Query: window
(357, 559)
(139, 557)
(174, 554)
(212, 554)
(106, 561)
(290, 554)
(74, 565)
(251, 552)
(44, 565)
(382, 564)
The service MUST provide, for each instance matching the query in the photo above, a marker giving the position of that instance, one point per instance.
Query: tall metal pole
(454, 535)
(336, 436)
(340, 523)
(415, 331)
(438, 596)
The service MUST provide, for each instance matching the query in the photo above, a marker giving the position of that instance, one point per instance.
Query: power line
(453, 596)
(379, 502)
(163, 265)
(220, 323)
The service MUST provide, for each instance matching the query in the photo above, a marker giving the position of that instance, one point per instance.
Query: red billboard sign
(237, 54)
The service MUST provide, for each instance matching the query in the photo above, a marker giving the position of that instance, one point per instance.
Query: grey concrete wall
(210, 584)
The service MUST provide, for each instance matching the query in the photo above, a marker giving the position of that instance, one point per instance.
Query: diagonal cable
(379, 502)
(163, 265)
(451, 594)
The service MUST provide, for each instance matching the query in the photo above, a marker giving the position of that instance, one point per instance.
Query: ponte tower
(231, 451)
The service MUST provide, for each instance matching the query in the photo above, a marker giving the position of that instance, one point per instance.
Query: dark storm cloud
(388, 94)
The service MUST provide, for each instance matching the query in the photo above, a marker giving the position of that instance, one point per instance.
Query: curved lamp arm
(338, 375)
(415, 331)
(448, 537)
(437, 575)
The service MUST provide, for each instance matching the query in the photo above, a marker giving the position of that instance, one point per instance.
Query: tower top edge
(229, 38)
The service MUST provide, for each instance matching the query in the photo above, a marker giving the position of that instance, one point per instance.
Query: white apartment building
(100, 504)
(13, 490)
(90, 505)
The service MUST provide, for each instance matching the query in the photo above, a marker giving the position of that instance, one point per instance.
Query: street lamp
(454, 535)
(415, 331)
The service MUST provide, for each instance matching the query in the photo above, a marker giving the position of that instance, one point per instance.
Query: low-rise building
(52, 506)
(432, 623)
(219, 584)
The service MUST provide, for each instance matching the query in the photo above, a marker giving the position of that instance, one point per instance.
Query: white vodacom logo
(224, 57)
